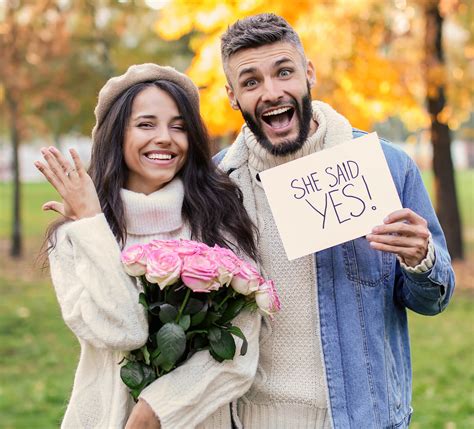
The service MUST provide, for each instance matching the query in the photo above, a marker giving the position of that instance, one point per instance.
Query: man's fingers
(396, 240)
(401, 228)
(411, 255)
(405, 215)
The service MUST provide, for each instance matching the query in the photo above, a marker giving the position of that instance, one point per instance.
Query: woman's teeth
(163, 156)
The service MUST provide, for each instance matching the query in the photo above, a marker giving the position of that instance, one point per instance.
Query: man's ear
(310, 74)
(231, 96)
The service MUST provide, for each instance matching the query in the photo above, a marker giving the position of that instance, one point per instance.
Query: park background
(404, 68)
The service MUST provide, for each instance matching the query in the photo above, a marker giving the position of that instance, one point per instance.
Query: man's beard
(304, 114)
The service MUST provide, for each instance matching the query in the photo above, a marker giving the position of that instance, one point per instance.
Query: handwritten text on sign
(331, 196)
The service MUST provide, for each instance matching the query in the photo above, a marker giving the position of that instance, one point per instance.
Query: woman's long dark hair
(212, 203)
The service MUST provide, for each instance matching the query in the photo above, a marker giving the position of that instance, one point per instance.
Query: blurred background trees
(403, 67)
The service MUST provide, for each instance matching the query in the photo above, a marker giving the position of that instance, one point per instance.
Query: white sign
(331, 196)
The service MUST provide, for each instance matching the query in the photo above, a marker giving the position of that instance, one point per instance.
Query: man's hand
(142, 417)
(404, 233)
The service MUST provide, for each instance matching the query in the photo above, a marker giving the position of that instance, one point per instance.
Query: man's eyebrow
(247, 70)
(282, 61)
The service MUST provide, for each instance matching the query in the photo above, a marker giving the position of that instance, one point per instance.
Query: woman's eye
(145, 125)
(179, 127)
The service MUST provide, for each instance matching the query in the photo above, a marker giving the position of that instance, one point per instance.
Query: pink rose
(163, 244)
(246, 280)
(189, 247)
(199, 273)
(163, 267)
(267, 298)
(134, 259)
(227, 262)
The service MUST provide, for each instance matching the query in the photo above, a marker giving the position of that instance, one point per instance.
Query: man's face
(271, 87)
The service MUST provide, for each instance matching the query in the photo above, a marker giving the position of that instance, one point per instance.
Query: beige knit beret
(148, 72)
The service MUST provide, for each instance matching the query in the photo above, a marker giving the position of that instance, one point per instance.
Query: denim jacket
(363, 295)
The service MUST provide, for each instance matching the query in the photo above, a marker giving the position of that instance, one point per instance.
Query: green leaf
(224, 347)
(233, 309)
(167, 366)
(234, 330)
(190, 334)
(132, 374)
(142, 300)
(199, 317)
(149, 375)
(200, 342)
(211, 317)
(171, 340)
(168, 313)
(146, 354)
(193, 306)
(216, 356)
(185, 322)
(139, 372)
(214, 334)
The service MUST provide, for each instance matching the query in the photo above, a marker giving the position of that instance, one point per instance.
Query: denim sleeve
(427, 292)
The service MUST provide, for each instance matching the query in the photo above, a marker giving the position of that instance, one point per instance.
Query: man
(337, 355)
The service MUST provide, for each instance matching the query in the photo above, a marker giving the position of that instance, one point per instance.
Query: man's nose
(272, 91)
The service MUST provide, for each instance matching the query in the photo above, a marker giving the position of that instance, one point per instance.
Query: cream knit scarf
(156, 213)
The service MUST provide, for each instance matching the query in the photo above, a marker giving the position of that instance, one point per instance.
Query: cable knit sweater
(99, 302)
(290, 388)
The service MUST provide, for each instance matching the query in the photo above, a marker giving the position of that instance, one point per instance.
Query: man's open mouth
(279, 117)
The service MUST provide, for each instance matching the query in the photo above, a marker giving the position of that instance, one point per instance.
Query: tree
(445, 189)
(55, 57)
(32, 35)
(369, 58)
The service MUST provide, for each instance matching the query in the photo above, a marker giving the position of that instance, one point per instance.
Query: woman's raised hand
(75, 186)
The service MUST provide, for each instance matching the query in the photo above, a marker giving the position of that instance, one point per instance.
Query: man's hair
(255, 31)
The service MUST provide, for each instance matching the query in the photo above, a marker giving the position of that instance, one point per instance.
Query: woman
(150, 177)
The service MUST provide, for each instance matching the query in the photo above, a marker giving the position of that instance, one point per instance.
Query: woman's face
(156, 141)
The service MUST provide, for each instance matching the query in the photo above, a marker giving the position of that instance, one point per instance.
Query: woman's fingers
(54, 165)
(66, 166)
(55, 206)
(50, 177)
(78, 163)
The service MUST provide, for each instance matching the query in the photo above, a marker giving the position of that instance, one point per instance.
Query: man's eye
(250, 83)
(285, 73)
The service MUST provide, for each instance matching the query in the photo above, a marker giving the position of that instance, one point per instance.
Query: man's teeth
(277, 111)
(159, 156)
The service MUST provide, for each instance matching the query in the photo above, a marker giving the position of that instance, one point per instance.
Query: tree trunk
(16, 249)
(444, 185)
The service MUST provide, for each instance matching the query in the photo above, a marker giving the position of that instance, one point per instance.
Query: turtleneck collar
(332, 129)
(158, 212)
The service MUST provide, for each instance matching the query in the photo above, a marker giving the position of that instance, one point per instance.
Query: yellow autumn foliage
(364, 69)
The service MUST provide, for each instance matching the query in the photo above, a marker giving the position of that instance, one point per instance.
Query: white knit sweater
(99, 302)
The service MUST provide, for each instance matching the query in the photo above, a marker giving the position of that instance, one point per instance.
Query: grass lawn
(38, 354)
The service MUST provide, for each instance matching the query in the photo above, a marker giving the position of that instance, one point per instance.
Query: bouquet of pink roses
(191, 293)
